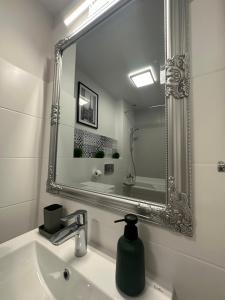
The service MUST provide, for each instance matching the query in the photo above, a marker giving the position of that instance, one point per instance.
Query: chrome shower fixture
(157, 106)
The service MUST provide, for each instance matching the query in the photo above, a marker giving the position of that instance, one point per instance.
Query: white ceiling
(55, 7)
(129, 41)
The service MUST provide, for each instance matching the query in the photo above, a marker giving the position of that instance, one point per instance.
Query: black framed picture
(87, 106)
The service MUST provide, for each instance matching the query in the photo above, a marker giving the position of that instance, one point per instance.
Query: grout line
(201, 260)
(35, 157)
(204, 164)
(208, 73)
(19, 112)
(7, 158)
(35, 76)
(15, 204)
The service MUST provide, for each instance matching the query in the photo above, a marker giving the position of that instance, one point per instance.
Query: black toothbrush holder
(52, 217)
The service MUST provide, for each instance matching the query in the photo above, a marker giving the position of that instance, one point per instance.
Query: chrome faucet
(77, 229)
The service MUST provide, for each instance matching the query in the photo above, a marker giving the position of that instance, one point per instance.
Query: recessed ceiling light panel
(142, 77)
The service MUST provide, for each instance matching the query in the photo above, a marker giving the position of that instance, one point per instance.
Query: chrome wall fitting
(221, 167)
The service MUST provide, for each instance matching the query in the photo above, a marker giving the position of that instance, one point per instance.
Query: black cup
(52, 216)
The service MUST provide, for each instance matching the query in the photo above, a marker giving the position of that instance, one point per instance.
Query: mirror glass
(112, 128)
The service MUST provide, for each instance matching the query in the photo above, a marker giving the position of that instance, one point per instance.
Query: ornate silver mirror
(120, 114)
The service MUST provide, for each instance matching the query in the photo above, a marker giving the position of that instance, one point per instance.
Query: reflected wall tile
(65, 141)
(67, 109)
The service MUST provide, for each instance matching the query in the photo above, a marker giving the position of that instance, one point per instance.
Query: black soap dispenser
(130, 264)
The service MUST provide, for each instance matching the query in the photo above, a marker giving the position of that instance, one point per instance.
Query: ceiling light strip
(96, 9)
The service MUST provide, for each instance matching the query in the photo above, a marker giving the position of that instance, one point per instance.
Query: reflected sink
(33, 268)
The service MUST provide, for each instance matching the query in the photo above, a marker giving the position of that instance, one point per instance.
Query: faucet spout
(81, 242)
(78, 229)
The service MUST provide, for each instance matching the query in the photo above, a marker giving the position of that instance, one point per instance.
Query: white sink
(32, 268)
(33, 272)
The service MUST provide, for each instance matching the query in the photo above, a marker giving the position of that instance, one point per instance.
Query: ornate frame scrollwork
(176, 214)
(52, 187)
(177, 77)
(55, 112)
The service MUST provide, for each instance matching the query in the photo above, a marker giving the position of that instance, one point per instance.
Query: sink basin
(33, 268)
(75, 287)
(33, 272)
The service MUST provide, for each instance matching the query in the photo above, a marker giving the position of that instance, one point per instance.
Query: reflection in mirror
(111, 135)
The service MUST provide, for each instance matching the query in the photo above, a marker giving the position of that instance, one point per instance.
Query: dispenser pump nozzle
(129, 219)
(130, 230)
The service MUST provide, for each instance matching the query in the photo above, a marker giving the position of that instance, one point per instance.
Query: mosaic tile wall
(90, 143)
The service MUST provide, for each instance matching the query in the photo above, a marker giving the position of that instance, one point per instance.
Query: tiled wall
(195, 267)
(25, 29)
(91, 143)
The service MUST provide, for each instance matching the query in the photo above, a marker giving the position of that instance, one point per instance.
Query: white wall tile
(208, 118)
(192, 279)
(209, 207)
(25, 28)
(23, 175)
(17, 219)
(20, 135)
(208, 36)
(20, 90)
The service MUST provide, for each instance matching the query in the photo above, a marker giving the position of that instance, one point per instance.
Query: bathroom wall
(69, 87)
(112, 122)
(195, 267)
(25, 29)
(149, 144)
(107, 123)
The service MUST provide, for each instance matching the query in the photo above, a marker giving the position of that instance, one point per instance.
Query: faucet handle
(77, 216)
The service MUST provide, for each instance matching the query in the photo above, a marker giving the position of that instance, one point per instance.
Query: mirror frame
(176, 214)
